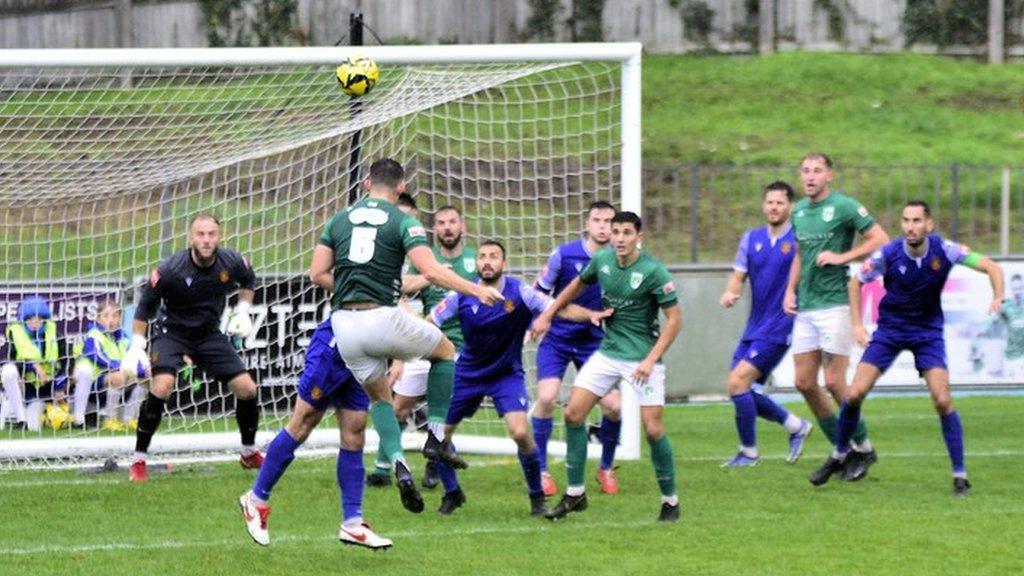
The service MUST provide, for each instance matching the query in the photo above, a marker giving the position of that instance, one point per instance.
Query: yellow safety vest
(26, 350)
(114, 349)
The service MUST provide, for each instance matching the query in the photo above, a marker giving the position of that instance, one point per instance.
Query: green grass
(766, 520)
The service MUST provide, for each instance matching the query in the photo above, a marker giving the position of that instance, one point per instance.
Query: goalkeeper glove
(240, 324)
(136, 361)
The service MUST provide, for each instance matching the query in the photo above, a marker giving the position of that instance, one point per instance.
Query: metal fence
(697, 212)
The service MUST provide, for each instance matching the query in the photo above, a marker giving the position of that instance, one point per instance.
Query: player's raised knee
(943, 403)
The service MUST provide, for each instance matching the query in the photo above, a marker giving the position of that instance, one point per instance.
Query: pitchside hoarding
(74, 304)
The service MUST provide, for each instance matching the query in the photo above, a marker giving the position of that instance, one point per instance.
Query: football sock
(531, 471)
(149, 420)
(247, 414)
(664, 465)
(828, 427)
(386, 424)
(114, 396)
(350, 482)
(609, 435)
(953, 434)
(541, 434)
(860, 435)
(849, 415)
(83, 385)
(280, 454)
(746, 421)
(449, 478)
(576, 453)
(769, 409)
(793, 424)
(439, 390)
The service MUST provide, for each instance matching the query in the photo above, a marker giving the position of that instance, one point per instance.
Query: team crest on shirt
(468, 264)
(224, 276)
(786, 248)
(635, 279)
(509, 306)
(936, 264)
(316, 393)
(828, 213)
(605, 269)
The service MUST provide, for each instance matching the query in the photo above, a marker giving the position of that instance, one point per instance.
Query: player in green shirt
(421, 378)
(636, 287)
(825, 223)
(359, 257)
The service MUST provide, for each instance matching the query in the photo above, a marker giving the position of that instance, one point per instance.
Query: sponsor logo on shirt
(635, 279)
(828, 213)
(668, 288)
(863, 212)
(417, 231)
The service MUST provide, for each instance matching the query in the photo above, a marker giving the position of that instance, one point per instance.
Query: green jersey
(1013, 315)
(465, 266)
(370, 239)
(636, 293)
(830, 224)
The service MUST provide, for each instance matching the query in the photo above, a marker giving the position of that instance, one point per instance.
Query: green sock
(576, 453)
(439, 389)
(861, 433)
(664, 465)
(828, 427)
(386, 424)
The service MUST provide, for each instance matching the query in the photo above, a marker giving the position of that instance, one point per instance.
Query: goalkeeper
(187, 294)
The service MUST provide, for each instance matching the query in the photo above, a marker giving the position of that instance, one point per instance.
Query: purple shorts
(508, 392)
(554, 355)
(327, 382)
(928, 348)
(763, 355)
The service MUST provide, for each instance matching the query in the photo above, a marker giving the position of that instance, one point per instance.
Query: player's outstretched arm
(436, 273)
(414, 283)
(995, 277)
(321, 267)
(789, 300)
(577, 313)
(542, 323)
(673, 324)
(874, 238)
(733, 288)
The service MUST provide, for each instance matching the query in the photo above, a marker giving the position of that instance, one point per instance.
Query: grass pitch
(765, 520)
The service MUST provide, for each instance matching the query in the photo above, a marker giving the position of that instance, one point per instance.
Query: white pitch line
(243, 540)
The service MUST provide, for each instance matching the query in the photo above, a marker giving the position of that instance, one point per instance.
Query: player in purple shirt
(573, 342)
(765, 255)
(491, 364)
(914, 270)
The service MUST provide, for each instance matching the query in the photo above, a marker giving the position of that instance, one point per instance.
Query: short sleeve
(245, 274)
(535, 300)
(740, 263)
(859, 216)
(326, 238)
(589, 273)
(663, 288)
(413, 233)
(549, 275)
(446, 309)
(955, 252)
(873, 268)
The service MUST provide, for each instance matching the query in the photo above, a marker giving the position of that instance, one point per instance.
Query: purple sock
(280, 454)
(953, 434)
(351, 482)
(531, 471)
(769, 409)
(541, 434)
(449, 479)
(746, 418)
(609, 435)
(848, 418)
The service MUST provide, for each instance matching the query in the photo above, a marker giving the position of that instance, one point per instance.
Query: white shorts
(413, 383)
(367, 339)
(600, 374)
(827, 329)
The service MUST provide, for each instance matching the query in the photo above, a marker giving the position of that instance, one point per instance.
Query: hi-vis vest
(26, 350)
(113, 349)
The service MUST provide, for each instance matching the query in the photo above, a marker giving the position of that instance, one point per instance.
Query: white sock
(248, 450)
(864, 446)
(575, 490)
(256, 499)
(33, 414)
(12, 386)
(114, 396)
(356, 522)
(841, 456)
(437, 429)
(960, 475)
(749, 451)
(672, 500)
(139, 457)
(793, 424)
(83, 385)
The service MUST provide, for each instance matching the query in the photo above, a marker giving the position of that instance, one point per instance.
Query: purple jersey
(565, 264)
(766, 261)
(494, 334)
(913, 286)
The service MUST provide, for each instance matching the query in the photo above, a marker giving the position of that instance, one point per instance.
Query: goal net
(106, 154)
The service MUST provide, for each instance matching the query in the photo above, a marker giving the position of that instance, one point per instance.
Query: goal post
(105, 153)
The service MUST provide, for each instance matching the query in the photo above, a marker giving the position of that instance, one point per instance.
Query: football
(357, 75)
